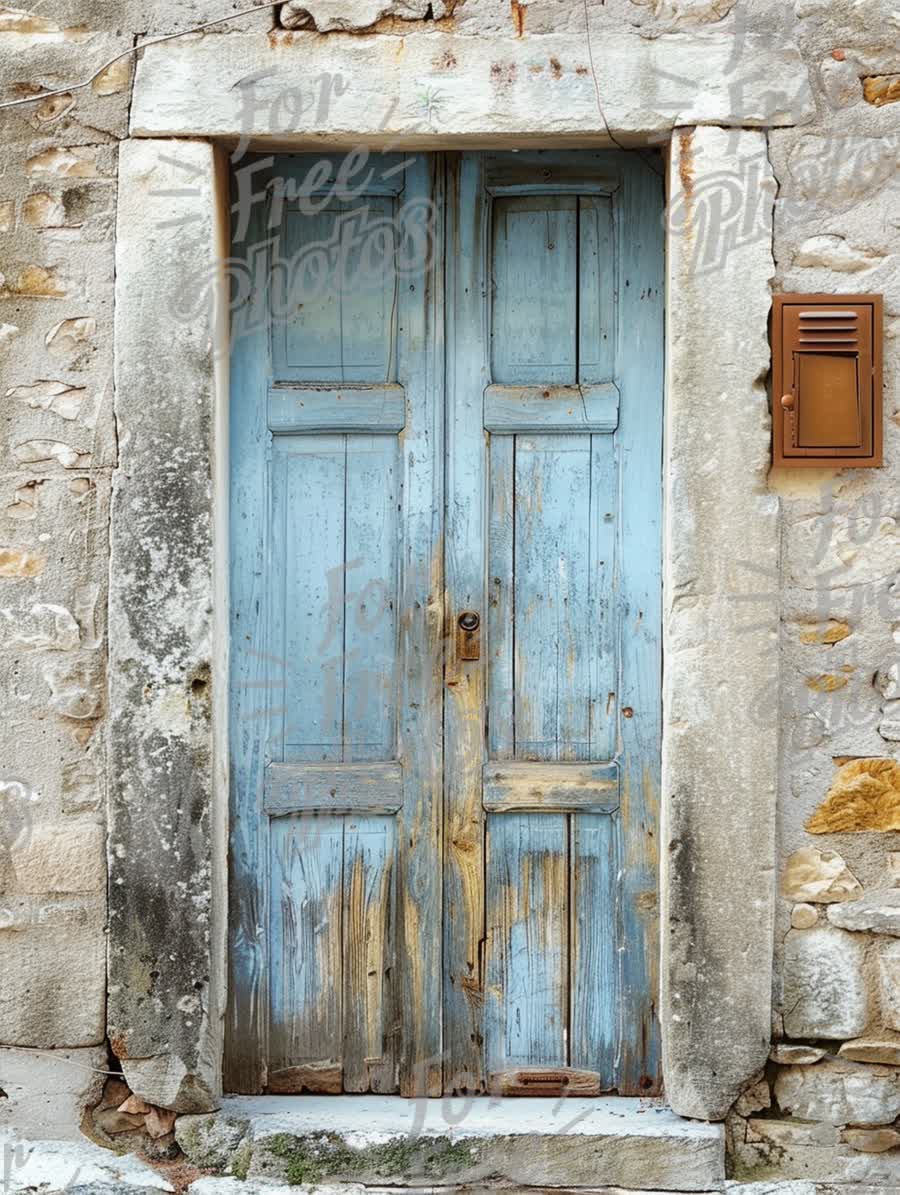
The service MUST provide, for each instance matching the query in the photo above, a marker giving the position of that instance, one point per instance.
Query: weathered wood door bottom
(446, 422)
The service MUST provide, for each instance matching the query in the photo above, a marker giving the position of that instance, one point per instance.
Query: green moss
(310, 1160)
(240, 1161)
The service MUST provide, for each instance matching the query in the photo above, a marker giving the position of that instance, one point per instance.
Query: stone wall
(828, 1101)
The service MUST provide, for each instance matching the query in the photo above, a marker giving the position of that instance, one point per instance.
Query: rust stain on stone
(556, 68)
(503, 74)
(686, 163)
(882, 89)
(865, 795)
(518, 15)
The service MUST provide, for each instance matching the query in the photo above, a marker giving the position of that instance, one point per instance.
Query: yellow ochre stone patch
(827, 683)
(828, 632)
(865, 795)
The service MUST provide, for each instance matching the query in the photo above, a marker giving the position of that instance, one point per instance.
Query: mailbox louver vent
(829, 329)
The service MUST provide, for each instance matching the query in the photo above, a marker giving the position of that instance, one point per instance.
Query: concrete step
(575, 1144)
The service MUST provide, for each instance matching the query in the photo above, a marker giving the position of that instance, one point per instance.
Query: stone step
(384, 1141)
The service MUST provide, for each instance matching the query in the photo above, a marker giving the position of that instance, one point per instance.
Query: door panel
(555, 339)
(443, 862)
(336, 429)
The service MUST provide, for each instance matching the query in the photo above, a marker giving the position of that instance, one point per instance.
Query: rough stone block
(53, 992)
(872, 1049)
(818, 876)
(840, 1093)
(878, 912)
(66, 858)
(47, 1092)
(824, 991)
(865, 795)
(889, 983)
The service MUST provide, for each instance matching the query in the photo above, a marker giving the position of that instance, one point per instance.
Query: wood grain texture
(420, 656)
(526, 983)
(541, 787)
(305, 948)
(595, 933)
(253, 688)
(334, 788)
(337, 599)
(339, 409)
(551, 408)
(464, 711)
(639, 551)
(370, 1040)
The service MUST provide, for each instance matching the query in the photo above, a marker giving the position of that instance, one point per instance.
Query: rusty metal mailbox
(827, 380)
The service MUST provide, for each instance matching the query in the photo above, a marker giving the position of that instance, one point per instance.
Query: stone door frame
(168, 601)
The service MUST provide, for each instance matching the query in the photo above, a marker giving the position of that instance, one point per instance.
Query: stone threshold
(574, 1144)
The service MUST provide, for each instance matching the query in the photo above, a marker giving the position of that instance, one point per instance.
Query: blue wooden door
(445, 626)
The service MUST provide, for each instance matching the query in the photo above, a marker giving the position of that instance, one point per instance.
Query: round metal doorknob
(469, 621)
(787, 401)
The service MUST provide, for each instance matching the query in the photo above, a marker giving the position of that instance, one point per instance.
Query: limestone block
(820, 877)
(878, 912)
(865, 795)
(47, 1092)
(83, 1168)
(833, 252)
(66, 859)
(190, 87)
(788, 1054)
(869, 1049)
(54, 983)
(889, 983)
(840, 1093)
(45, 627)
(76, 689)
(871, 1141)
(824, 993)
(804, 916)
(210, 1142)
(327, 16)
(889, 727)
(720, 677)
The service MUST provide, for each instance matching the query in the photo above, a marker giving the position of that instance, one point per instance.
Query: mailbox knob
(787, 401)
(469, 621)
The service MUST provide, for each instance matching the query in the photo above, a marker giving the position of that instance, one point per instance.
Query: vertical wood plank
(370, 608)
(639, 443)
(305, 942)
(594, 998)
(368, 952)
(250, 677)
(314, 598)
(596, 290)
(467, 376)
(552, 592)
(602, 621)
(420, 369)
(500, 642)
(526, 1005)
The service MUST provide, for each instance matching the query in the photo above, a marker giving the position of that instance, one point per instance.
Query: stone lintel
(428, 88)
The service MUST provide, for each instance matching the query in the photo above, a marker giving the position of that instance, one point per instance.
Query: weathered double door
(446, 424)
